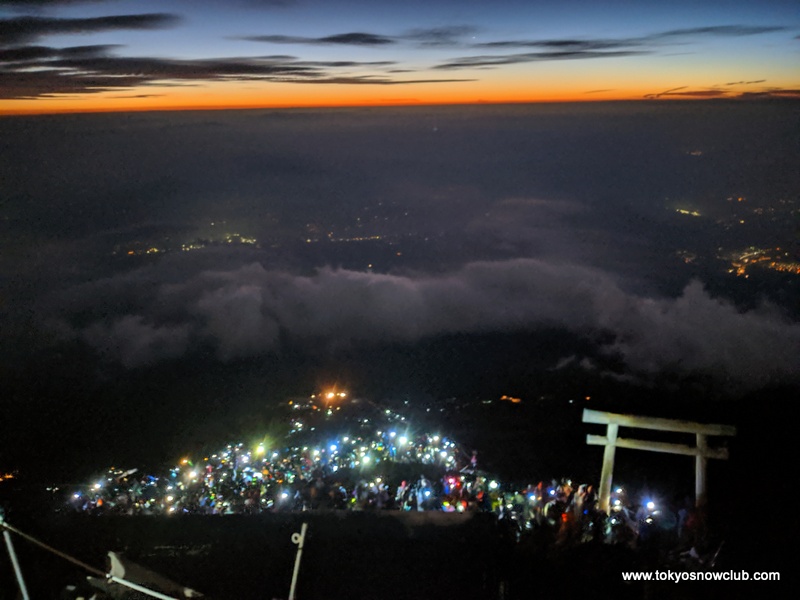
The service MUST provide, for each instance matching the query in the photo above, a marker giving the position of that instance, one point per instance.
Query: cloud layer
(25, 29)
(251, 311)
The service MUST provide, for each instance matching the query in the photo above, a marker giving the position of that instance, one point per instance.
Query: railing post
(299, 539)
(17, 571)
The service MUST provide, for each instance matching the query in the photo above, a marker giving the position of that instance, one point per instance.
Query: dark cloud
(372, 80)
(252, 311)
(702, 93)
(52, 2)
(683, 91)
(141, 96)
(268, 2)
(95, 74)
(90, 69)
(26, 29)
(564, 45)
(46, 3)
(43, 83)
(554, 49)
(745, 82)
(358, 39)
(576, 49)
(580, 45)
(428, 37)
(136, 343)
(716, 92)
(278, 39)
(669, 91)
(440, 36)
(347, 39)
(28, 53)
(345, 63)
(719, 30)
(156, 68)
(772, 93)
(469, 62)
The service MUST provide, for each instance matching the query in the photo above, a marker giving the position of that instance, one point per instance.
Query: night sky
(166, 277)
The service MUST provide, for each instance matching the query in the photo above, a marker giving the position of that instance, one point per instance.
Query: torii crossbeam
(611, 441)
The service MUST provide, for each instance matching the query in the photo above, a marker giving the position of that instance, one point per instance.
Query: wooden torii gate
(701, 451)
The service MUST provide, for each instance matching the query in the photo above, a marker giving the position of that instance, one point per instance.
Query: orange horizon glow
(560, 86)
(227, 97)
(212, 107)
(245, 96)
(44, 107)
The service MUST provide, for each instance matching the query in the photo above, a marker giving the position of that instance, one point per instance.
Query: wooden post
(700, 466)
(607, 474)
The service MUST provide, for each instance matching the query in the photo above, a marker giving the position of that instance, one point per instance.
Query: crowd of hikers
(381, 464)
(569, 513)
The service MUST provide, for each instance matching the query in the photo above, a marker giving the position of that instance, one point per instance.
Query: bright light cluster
(329, 435)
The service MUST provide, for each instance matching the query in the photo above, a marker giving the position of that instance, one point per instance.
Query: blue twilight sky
(118, 54)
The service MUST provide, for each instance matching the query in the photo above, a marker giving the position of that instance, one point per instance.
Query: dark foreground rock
(366, 555)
